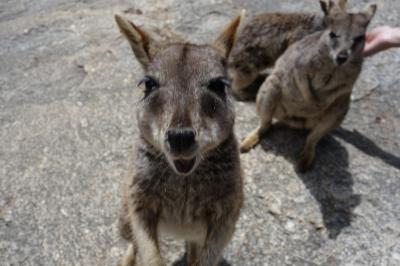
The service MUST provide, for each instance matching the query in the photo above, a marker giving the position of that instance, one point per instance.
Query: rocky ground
(67, 99)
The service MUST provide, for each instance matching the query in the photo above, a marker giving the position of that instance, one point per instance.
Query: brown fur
(264, 39)
(310, 86)
(185, 91)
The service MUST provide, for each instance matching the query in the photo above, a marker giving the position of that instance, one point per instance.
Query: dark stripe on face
(350, 23)
(182, 71)
(183, 55)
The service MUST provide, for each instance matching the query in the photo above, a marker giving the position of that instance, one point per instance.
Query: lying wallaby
(311, 84)
(186, 179)
(264, 39)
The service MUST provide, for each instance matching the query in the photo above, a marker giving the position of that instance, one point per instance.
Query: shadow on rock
(329, 182)
(182, 262)
(252, 90)
(367, 146)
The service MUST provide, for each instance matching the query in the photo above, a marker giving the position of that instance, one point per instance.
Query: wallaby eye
(150, 83)
(359, 39)
(218, 85)
(333, 35)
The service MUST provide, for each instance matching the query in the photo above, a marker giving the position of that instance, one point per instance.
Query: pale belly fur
(192, 232)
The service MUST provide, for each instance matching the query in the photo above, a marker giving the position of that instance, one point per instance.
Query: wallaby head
(185, 111)
(345, 34)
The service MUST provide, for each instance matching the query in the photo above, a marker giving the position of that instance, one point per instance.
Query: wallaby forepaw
(129, 258)
(125, 229)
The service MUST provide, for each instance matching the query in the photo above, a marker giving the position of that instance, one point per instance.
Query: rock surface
(67, 99)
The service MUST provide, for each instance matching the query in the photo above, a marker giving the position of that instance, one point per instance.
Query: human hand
(381, 38)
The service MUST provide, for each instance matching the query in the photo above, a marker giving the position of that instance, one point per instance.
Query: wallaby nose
(181, 140)
(342, 58)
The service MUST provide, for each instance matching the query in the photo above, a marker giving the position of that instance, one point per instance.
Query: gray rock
(67, 98)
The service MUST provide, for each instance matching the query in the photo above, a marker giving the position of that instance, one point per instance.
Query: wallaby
(263, 40)
(311, 84)
(186, 179)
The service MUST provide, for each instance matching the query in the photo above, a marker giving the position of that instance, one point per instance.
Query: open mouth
(184, 166)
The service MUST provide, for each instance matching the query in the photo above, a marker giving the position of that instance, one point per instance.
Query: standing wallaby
(264, 39)
(186, 178)
(311, 84)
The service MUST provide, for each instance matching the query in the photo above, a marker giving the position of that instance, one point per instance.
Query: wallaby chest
(189, 203)
(325, 82)
(189, 200)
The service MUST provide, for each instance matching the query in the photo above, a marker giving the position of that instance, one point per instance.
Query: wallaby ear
(370, 11)
(143, 46)
(329, 6)
(342, 4)
(226, 40)
(326, 6)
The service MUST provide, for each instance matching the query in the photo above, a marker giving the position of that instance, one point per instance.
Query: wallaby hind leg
(267, 100)
(332, 119)
(218, 237)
